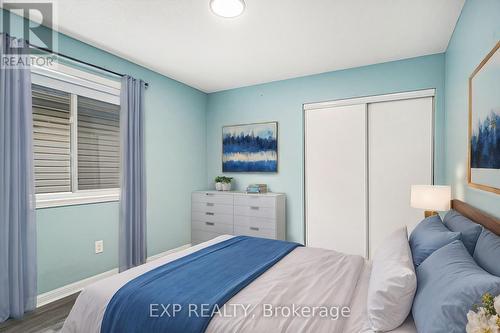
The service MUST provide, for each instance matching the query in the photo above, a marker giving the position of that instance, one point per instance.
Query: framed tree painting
(250, 148)
(484, 124)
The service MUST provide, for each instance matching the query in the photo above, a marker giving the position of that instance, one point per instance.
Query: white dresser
(216, 213)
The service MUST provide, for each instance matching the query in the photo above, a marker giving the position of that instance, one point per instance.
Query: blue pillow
(487, 253)
(470, 231)
(428, 236)
(449, 283)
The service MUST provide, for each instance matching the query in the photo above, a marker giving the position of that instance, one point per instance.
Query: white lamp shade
(431, 197)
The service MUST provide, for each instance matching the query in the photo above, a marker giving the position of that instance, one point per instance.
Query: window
(98, 144)
(51, 136)
(76, 133)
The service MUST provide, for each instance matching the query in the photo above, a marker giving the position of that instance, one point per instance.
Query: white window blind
(51, 134)
(98, 144)
(76, 132)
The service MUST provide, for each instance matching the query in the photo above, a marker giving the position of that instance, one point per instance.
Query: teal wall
(477, 31)
(175, 161)
(282, 101)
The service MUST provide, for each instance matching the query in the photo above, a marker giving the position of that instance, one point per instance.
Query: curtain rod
(80, 61)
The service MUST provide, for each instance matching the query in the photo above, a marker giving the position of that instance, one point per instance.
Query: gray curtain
(132, 242)
(17, 200)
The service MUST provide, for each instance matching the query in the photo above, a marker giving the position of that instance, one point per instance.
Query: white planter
(226, 186)
(218, 186)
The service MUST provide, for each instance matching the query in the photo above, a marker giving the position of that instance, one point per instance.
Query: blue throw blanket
(163, 299)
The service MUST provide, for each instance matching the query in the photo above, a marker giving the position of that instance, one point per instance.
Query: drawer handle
(254, 208)
(210, 194)
(254, 228)
(208, 213)
(209, 204)
(209, 223)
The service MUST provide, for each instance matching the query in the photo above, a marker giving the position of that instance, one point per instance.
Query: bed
(305, 276)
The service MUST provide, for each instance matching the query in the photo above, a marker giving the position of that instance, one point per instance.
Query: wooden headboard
(489, 222)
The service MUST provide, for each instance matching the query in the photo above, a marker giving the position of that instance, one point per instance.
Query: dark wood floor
(42, 319)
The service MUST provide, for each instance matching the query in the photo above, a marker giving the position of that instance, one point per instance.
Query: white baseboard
(166, 253)
(77, 286)
(71, 288)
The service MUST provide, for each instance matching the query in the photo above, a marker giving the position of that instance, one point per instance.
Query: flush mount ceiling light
(227, 8)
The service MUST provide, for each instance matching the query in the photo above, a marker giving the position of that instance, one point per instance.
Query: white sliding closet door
(400, 149)
(335, 178)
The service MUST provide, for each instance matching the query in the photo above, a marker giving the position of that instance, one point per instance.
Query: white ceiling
(272, 40)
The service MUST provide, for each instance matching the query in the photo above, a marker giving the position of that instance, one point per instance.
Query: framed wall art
(250, 148)
(484, 124)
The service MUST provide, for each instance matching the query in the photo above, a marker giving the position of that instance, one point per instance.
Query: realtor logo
(35, 28)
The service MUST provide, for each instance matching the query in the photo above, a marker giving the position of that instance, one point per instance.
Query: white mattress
(307, 277)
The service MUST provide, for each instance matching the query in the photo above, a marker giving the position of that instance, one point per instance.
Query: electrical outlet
(99, 246)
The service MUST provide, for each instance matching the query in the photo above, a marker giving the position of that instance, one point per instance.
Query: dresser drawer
(211, 197)
(218, 227)
(254, 200)
(259, 222)
(212, 217)
(255, 232)
(255, 211)
(212, 207)
(200, 236)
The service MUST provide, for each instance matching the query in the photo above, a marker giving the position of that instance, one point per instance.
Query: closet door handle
(208, 213)
(254, 207)
(210, 223)
(254, 228)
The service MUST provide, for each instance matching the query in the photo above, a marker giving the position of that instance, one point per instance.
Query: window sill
(47, 200)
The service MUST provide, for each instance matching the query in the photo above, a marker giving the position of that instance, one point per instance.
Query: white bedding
(306, 277)
(359, 309)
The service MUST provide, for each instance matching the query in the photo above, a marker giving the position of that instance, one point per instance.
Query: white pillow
(392, 283)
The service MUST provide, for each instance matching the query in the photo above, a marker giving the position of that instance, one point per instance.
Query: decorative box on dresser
(215, 213)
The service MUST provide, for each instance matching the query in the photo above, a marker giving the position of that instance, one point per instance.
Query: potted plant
(226, 183)
(218, 183)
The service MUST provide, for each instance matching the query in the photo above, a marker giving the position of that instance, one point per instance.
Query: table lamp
(431, 198)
